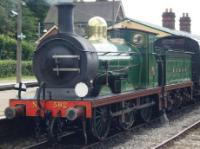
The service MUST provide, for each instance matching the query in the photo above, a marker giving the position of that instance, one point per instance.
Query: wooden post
(19, 40)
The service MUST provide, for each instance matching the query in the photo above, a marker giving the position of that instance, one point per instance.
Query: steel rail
(36, 145)
(11, 86)
(46, 141)
(178, 135)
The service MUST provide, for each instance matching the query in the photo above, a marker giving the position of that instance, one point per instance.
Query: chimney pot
(185, 23)
(168, 19)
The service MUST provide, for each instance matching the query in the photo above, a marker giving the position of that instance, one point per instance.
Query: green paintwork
(138, 70)
(134, 71)
(178, 67)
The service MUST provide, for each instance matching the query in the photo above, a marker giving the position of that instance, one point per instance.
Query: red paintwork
(55, 106)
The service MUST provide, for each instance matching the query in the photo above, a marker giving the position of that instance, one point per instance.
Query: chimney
(65, 17)
(168, 19)
(185, 23)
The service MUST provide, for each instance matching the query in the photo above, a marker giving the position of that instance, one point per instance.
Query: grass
(13, 79)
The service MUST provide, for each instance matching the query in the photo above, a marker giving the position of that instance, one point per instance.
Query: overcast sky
(151, 11)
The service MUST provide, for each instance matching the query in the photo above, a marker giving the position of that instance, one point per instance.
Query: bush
(8, 68)
(8, 48)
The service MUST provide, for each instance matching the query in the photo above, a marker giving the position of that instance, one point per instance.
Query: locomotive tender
(96, 80)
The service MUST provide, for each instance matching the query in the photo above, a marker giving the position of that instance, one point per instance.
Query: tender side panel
(178, 68)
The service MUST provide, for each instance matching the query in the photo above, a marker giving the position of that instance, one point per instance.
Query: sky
(151, 11)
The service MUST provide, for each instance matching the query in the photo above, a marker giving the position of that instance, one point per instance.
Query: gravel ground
(141, 138)
(16, 145)
(190, 141)
(152, 135)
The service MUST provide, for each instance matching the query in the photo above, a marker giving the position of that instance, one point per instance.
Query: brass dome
(97, 29)
(97, 22)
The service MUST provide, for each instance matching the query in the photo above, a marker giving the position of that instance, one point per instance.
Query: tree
(7, 23)
(39, 8)
(29, 24)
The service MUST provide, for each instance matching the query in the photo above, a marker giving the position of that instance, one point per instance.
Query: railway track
(11, 127)
(139, 130)
(187, 138)
(140, 126)
(138, 136)
(10, 130)
(45, 142)
(136, 130)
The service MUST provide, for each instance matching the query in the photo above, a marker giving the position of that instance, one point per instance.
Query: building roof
(161, 31)
(52, 31)
(85, 10)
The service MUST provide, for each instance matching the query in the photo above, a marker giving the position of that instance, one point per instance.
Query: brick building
(85, 10)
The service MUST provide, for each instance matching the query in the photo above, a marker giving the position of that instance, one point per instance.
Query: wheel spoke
(100, 122)
(98, 111)
(98, 116)
(129, 118)
(146, 113)
(99, 128)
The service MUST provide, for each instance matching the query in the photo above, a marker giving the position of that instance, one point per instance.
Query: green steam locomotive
(133, 63)
(107, 77)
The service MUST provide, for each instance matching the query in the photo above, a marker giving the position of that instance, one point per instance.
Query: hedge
(8, 68)
(8, 48)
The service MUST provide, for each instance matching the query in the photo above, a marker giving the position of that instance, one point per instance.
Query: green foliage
(8, 68)
(8, 48)
(8, 24)
(39, 8)
(29, 24)
(33, 12)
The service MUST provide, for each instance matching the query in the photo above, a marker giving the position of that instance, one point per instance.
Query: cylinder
(65, 17)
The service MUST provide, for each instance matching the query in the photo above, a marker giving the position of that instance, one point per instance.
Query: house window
(81, 25)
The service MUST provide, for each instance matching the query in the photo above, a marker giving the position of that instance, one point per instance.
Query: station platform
(9, 94)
